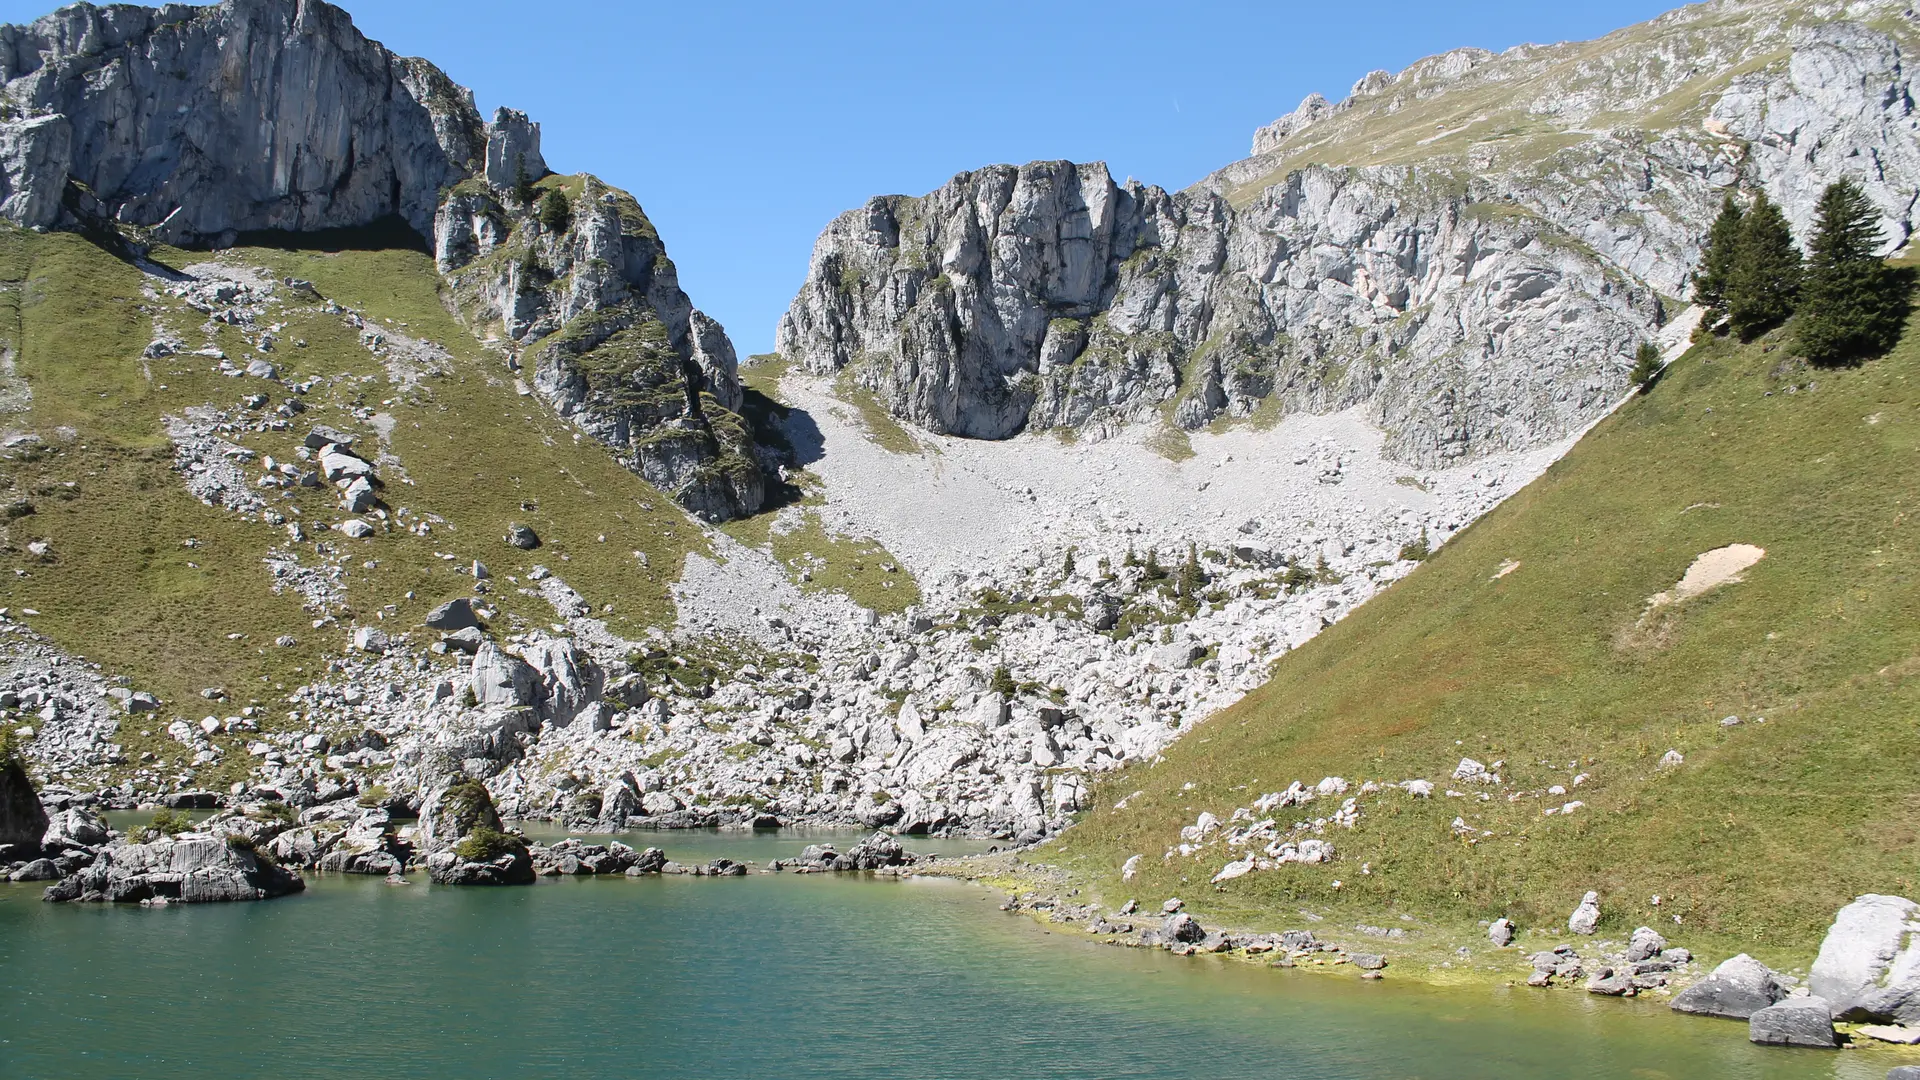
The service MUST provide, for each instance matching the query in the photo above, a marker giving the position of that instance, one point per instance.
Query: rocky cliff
(1471, 249)
(197, 126)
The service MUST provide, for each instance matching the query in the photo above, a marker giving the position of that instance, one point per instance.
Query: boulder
(320, 436)
(451, 813)
(75, 827)
(1612, 982)
(1501, 933)
(456, 614)
(467, 640)
(650, 861)
(37, 870)
(1736, 990)
(358, 496)
(1797, 1021)
(1645, 945)
(1869, 962)
(1182, 927)
(568, 679)
(1904, 1072)
(191, 868)
(522, 537)
(1587, 916)
(499, 678)
(620, 801)
(461, 832)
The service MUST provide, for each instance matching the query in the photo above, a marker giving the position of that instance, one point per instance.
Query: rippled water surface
(765, 976)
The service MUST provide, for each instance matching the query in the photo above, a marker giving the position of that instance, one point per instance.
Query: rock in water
(1586, 916)
(1869, 963)
(23, 820)
(465, 843)
(190, 869)
(1801, 1021)
(1736, 989)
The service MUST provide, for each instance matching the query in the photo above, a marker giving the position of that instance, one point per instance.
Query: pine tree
(1855, 304)
(1646, 366)
(523, 189)
(1716, 263)
(1764, 280)
(1192, 579)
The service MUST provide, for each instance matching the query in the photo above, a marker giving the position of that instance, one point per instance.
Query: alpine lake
(767, 976)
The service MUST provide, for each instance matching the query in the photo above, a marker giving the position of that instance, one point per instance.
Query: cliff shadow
(791, 435)
(390, 233)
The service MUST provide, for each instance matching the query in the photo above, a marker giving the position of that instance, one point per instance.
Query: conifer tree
(1716, 263)
(1855, 305)
(1646, 366)
(1764, 280)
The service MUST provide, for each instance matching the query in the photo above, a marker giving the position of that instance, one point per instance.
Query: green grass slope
(1764, 830)
(123, 588)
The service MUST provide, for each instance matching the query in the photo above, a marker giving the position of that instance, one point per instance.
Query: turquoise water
(765, 976)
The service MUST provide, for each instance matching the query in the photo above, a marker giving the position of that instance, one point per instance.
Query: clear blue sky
(744, 128)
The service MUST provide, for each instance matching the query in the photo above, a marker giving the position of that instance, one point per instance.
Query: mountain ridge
(1441, 287)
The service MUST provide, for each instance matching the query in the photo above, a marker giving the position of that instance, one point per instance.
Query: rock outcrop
(1472, 292)
(576, 278)
(198, 126)
(202, 123)
(462, 836)
(190, 868)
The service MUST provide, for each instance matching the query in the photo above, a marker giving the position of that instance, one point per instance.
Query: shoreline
(1053, 898)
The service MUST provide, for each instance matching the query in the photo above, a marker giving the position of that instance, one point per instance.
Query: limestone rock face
(513, 149)
(1472, 291)
(593, 306)
(205, 122)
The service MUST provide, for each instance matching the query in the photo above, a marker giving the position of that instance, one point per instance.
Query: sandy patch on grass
(1721, 566)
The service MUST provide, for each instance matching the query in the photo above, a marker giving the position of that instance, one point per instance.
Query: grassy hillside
(1763, 831)
(123, 587)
